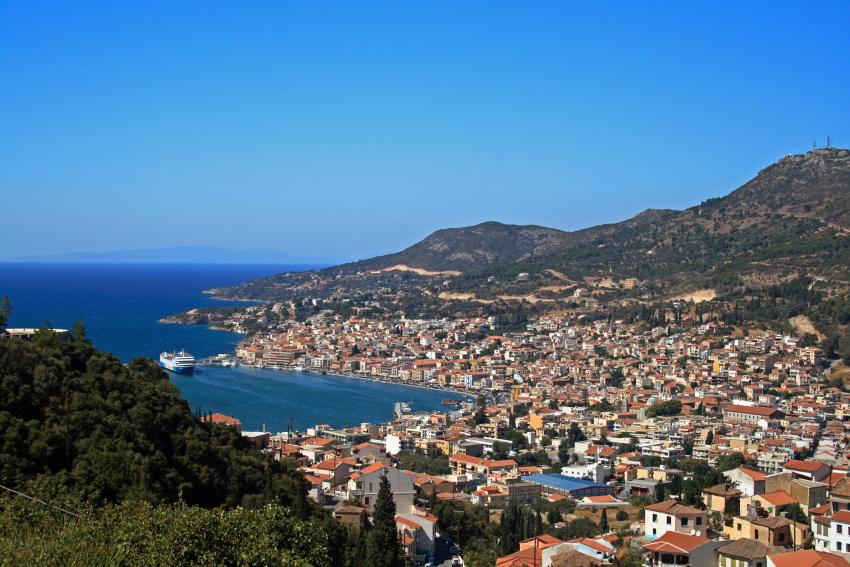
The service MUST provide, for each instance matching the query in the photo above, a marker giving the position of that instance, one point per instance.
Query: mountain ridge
(789, 220)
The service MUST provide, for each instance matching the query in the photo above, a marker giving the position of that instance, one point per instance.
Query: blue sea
(121, 304)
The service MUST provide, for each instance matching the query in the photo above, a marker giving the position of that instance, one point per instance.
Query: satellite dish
(694, 532)
(699, 533)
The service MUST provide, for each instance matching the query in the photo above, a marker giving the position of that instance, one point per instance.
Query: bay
(121, 304)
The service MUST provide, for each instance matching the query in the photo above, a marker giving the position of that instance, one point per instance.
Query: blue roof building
(566, 486)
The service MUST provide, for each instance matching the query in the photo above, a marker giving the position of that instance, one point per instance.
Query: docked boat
(178, 362)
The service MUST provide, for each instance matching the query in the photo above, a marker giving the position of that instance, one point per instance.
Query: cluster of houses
(600, 413)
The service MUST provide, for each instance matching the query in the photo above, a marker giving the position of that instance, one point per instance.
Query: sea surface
(121, 304)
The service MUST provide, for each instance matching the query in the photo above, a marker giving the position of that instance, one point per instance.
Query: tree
(150, 535)
(795, 513)
(603, 522)
(622, 515)
(581, 527)
(709, 437)
(729, 462)
(382, 546)
(676, 485)
(670, 407)
(564, 452)
(660, 492)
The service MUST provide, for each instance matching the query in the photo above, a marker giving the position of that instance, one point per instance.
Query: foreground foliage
(139, 534)
(76, 423)
(80, 430)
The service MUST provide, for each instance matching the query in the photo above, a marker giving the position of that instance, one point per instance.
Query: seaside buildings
(710, 445)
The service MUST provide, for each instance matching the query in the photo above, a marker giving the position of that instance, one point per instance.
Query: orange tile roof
(804, 466)
(372, 468)
(778, 498)
(843, 516)
(675, 542)
(753, 474)
(808, 558)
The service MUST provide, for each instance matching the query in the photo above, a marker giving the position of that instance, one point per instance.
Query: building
(531, 552)
(674, 516)
(750, 414)
(808, 470)
(839, 532)
(417, 533)
(363, 486)
(573, 487)
(806, 558)
(678, 549)
(722, 498)
(771, 531)
(222, 419)
(742, 553)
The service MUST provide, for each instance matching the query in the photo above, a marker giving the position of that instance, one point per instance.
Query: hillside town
(687, 443)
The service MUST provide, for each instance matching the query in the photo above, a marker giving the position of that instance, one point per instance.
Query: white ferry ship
(179, 362)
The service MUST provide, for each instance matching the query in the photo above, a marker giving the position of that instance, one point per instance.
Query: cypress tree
(659, 492)
(603, 522)
(382, 546)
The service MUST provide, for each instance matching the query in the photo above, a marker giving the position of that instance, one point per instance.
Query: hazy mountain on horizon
(177, 255)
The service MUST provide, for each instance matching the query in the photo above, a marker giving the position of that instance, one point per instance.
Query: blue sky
(350, 129)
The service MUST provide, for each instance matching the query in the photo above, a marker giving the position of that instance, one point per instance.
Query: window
(669, 520)
(684, 522)
(782, 536)
(699, 520)
(757, 534)
(655, 517)
(839, 528)
(739, 527)
(654, 531)
(367, 500)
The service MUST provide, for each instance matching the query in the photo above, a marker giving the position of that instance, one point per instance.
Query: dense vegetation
(141, 535)
(76, 422)
(437, 464)
(80, 430)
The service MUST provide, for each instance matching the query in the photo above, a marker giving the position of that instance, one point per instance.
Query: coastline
(461, 393)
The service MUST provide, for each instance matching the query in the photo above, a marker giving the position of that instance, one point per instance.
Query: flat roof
(562, 482)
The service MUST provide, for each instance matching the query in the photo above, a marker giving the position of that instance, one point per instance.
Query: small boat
(178, 362)
(299, 368)
(452, 402)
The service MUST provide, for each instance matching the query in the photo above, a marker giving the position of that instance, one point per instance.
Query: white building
(839, 532)
(363, 485)
(672, 516)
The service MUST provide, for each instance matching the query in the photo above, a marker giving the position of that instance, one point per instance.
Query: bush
(144, 535)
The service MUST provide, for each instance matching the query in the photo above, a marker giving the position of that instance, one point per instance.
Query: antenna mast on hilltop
(828, 142)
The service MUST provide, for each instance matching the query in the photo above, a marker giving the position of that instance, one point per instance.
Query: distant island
(178, 255)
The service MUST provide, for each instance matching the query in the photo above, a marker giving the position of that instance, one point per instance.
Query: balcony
(666, 560)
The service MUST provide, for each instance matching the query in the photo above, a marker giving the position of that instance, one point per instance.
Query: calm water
(120, 305)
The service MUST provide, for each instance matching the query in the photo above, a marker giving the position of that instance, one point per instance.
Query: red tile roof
(675, 542)
(803, 466)
(808, 558)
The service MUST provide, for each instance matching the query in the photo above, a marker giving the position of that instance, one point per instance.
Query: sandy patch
(804, 325)
(450, 295)
(420, 271)
(698, 296)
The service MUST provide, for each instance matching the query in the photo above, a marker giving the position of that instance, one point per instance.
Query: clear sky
(350, 129)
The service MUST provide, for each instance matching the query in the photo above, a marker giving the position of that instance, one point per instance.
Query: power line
(40, 501)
